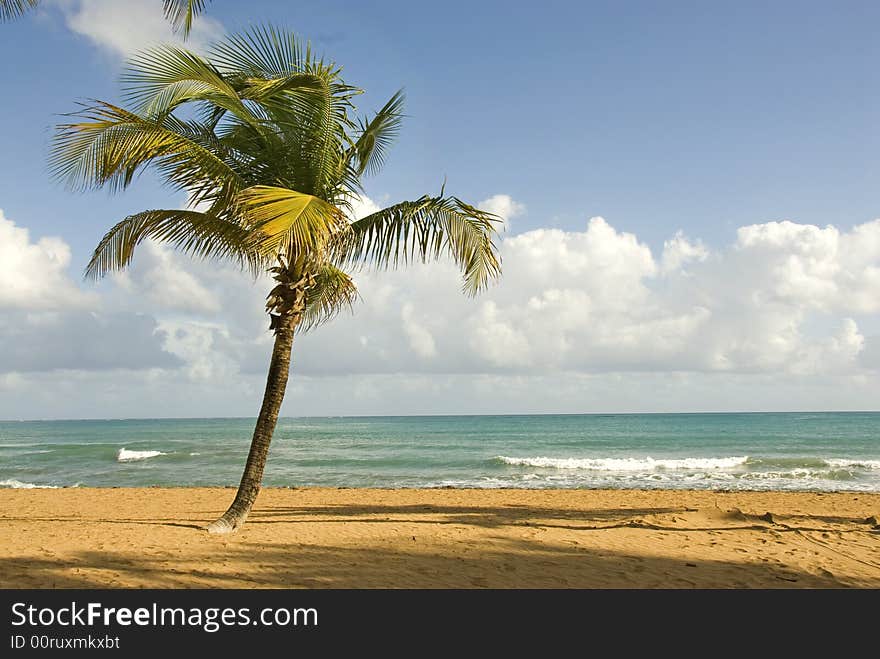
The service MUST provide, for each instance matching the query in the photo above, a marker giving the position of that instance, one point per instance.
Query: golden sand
(355, 538)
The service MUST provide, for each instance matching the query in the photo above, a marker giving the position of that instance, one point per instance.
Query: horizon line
(435, 415)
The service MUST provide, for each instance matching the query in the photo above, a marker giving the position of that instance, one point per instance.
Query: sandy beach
(355, 538)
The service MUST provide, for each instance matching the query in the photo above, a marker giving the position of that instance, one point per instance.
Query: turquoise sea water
(794, 451)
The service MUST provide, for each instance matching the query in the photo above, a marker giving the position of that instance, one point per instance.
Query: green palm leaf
(160, 79)
(182, 12)
(263, 52)
(333, 291)
(110, 145)
(194, 233)
(426, 228)
(376, 136)
(289, 222)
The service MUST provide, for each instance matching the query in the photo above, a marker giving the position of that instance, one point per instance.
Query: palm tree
(179, 12)
(261, 135)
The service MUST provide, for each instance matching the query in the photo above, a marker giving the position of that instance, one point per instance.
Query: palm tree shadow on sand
(506, 562)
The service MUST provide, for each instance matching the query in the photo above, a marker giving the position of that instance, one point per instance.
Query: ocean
(792, 451)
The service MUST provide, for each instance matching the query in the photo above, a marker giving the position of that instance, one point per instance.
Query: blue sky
(727, 153)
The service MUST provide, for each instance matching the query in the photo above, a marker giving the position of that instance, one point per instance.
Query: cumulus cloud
(504, 206)
(363, 206)
(124, 28)
(815, 268)
(593, 317)
(47, 322)
(196, 345)
(497, 341)
(598, 300)
(678, 252)
(33, 275)
(163, 278)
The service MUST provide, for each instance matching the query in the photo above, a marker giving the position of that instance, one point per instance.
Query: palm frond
(160, 79)
(305, 102)
(263, 89)
(12, 9)
(376, 135)
(262, 52)
(288, 222)
(192, 232)
(294, 103)
(110, 145)
(313, 131)
(427, 228)
(332, 292)
(182, 12)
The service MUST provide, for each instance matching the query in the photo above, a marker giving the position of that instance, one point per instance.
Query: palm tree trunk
(276, 384)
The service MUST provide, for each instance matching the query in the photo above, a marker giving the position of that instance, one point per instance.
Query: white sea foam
(18, 485)
(664, 480)
(790, 474)
(37, 452)
(125, 455)
(626, 464)
(862, 464)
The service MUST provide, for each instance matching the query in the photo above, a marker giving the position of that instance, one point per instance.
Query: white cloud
(195, 344)
(162, 276)
(584, 320)
(815, 268)
(420, 339)
(679, 251)
(598, 301)
(497, 341)
(47, 322)
(505, 207)
(363, 206)
(843, 347)
(33, 275)
(124, 28)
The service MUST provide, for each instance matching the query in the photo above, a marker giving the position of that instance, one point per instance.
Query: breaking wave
(626, 464)
(125, 455)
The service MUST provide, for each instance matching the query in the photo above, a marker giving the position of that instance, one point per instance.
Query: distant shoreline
(440, 538)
